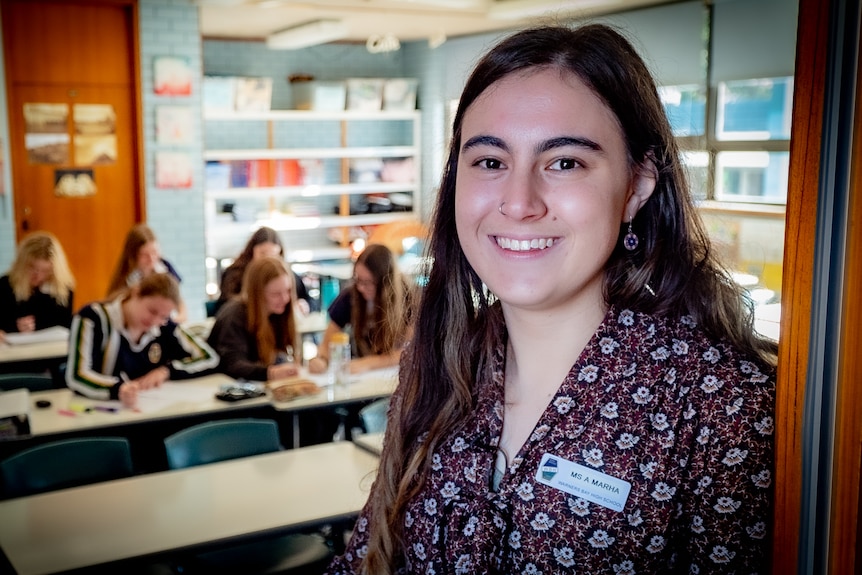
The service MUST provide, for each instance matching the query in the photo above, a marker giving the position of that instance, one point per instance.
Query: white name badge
(581, 481)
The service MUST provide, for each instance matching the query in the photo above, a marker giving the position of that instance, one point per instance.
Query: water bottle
(339, 360)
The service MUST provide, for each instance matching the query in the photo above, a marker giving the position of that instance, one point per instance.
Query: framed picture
(173, 170)
(174, 125)
(172, 76)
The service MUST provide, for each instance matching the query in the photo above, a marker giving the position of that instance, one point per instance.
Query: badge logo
(549, 469)
(154, 354)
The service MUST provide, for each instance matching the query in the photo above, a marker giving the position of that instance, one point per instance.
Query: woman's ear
(643, 184)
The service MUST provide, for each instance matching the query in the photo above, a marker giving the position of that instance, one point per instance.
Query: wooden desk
(32, 357)
(363, 387)
(185, 509)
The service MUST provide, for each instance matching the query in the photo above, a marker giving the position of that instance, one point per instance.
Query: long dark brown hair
(458, 326)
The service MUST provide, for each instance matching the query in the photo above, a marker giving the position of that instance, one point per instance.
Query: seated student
(141, 257)
(375, 309)
(263, 242)
(128, 344)
(255, 333)
(37, 291)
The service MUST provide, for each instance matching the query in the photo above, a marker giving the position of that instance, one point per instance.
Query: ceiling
(367, 21)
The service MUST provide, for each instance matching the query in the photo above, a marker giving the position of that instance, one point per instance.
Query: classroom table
(371, 442)
(190, 509)
(363, 387)
(32, 357)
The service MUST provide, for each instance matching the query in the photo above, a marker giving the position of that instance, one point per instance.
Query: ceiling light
(386, 43)
(308, 34)
(520, 9)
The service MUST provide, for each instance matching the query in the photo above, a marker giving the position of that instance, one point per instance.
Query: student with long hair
(255, 334)
(374, 309)
(130, 343)
(264, 242)
(584, 391)
(38, 290)
(142, 256)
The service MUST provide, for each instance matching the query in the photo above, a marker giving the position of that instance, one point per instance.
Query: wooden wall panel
(797, 281)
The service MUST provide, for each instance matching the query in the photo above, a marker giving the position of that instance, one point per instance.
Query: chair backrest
(66, 463)
(220, 440)
(31, 381)
(373, 415)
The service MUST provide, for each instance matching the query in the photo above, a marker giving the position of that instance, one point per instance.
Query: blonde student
(584, 391)
(38, 290)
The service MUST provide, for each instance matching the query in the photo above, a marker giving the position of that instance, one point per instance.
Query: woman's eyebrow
(483, 140)
(566, 141)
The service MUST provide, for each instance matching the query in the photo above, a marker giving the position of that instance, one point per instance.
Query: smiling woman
(584, 389)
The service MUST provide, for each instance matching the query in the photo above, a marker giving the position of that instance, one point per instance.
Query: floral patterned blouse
(686, 420)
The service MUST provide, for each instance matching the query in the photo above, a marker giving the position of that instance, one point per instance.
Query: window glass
(752, 176)
(686, 108)
(756, 109)
(696, 166)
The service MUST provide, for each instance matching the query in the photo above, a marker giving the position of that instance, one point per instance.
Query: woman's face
(276, 294)
(543, 184)
(265, 249)
(148, 256)
(364, 281)
(39, 271)
(144, 313)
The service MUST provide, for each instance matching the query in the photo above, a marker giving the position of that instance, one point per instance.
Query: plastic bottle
(339, 360)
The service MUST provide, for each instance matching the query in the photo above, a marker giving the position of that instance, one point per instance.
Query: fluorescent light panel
(308, 34)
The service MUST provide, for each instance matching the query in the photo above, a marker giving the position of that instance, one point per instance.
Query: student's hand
(303, 307)
(26, 323)
(129, 394)
(362, 364)
(2, 336)
(154, 378)
(281, 371)
(317, 365)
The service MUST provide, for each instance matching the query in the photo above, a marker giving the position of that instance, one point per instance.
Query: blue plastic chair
(221, 440)
(66, 463)
(230, 439)
(31, 381)
(373, 415)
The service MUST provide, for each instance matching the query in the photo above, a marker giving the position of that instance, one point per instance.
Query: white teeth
(524, 245)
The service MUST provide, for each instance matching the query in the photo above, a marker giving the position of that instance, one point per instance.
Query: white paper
(56, 333)
(171, 393)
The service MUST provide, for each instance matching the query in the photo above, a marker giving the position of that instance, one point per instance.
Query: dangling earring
(630, 240)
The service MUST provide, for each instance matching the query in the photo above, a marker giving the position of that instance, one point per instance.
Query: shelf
(288, 223)
(311, 115)
(311, 153)
(311, 190)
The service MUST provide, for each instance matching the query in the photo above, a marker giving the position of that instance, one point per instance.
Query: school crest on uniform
(154, 354)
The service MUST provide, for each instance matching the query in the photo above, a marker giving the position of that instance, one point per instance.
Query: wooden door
(78, 57)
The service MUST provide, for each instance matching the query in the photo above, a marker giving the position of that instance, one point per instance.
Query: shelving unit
(332, 141)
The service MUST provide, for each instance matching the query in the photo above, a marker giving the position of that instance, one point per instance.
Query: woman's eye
(565, 164)
(490, 164)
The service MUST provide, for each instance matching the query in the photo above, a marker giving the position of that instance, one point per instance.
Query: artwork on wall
(253, 94)
(172, 76)
(173, 170)
(46, 133)
(174, 125)
(74, 183)
(95, 140)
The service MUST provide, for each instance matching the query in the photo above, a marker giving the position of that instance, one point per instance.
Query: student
(38, 290)
(263, 242)
(576, 339)
(374, 308)
(255, 334)
(128, 344)
(141, 257)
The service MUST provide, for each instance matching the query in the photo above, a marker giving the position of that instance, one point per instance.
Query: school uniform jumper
(686, 420)
(47, 311)
(102, 356)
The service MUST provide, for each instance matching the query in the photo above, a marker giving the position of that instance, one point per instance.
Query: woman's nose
(523, 196)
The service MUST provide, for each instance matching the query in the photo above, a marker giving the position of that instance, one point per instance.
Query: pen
(106, 408)
(66, 412)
